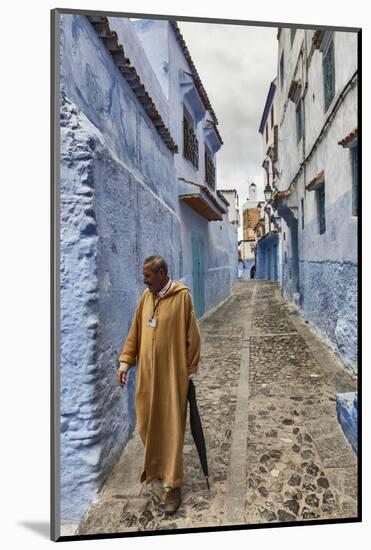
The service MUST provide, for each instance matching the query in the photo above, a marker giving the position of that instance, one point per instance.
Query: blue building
(316, 193)
(312, 189)
(268, 234)
(138, 176)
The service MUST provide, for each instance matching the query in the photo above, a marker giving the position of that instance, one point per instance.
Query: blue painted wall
(119, 203)
(267, 258)
(347, 413)
(326, 286)
(328, 278)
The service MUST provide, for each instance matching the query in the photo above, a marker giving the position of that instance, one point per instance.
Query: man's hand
(121, 378)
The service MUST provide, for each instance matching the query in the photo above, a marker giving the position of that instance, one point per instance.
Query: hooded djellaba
(164, 340)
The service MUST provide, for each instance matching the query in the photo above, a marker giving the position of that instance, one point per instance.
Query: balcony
(201, 200)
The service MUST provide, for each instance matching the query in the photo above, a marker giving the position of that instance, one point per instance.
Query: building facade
(268, 228)
(138, 176)
(250, 217)
(316, 189)
(231, 197)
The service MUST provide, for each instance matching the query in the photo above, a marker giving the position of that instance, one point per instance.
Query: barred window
(299, 122)
(282, 70)
(190, 141)
(209, 168)
(302, 213)
(321, 208)
(275, 143)
(329, 75)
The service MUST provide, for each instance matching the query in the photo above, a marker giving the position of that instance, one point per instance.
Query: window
(282, 68)
(299, 122)
(209, 168)
(272, 117)
(266, 133)
(354, 153)
(292, 35)
(321, 207)
(329, 75)
(267, 173)
(302, 213)
(275, 138)
(189, 139)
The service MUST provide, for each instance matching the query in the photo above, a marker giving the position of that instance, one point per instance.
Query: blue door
(275, 263)
(198, 274)
(269, 275)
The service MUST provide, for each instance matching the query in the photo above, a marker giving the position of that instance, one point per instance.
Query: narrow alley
(266, 391)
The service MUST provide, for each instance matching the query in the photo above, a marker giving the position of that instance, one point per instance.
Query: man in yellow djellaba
(164, 341)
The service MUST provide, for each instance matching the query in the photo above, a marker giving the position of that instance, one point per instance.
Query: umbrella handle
(207, 481)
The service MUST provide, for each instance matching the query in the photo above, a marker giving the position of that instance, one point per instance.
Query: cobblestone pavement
(266, 392)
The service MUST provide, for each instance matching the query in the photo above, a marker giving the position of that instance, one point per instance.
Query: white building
(250, 217)
(267, 231)
(231, 197)
(317, 184)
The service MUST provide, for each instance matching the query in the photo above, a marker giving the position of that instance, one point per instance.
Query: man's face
(154, 280)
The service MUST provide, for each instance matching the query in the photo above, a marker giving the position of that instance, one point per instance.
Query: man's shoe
(172, 500)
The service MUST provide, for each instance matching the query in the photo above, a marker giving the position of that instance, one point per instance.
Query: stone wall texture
(118, 204)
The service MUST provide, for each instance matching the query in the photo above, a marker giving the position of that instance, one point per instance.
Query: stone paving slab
(266, 392)
(298, 458)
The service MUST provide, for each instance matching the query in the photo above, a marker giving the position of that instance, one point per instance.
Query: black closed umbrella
(196, 429)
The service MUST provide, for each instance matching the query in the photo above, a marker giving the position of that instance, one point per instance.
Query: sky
(236, 64)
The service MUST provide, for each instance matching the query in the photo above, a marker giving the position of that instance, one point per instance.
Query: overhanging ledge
(202, 201)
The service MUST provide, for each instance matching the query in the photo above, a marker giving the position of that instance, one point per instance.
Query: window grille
(190, 143)
(209, 169)
(282, 69)
(329, 75)
(275, 138)
(321, 208)
(299, 122)
(302, 213)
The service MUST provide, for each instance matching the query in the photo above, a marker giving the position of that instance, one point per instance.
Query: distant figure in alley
(164, 339)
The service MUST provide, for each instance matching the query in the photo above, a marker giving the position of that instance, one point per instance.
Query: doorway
(198, 274)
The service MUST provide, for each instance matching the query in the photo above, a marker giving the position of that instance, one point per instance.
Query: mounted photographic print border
(134, 146)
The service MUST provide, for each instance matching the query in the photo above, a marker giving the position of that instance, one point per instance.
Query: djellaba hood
(176, 287)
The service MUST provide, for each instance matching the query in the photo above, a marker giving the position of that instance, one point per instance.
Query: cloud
(236, 64)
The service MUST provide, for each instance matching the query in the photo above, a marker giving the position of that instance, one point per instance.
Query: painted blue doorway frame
(198, 274)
